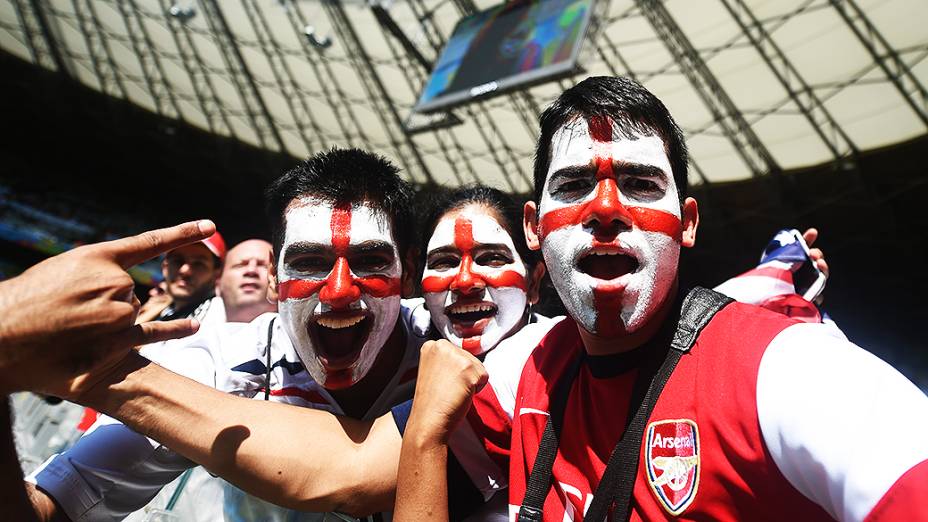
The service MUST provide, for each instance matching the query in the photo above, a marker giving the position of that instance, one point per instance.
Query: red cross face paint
(474, 280)
(609, 223)
(339, 287)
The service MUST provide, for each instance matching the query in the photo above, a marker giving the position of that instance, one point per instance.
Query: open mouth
(339, 336)
(469, 319)
(607, 263)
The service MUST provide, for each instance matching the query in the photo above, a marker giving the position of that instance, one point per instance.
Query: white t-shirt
(113, 471)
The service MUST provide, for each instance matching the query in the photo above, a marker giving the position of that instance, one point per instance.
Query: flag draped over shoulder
(785, 280)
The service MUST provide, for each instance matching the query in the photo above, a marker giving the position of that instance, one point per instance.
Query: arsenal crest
(672, 456)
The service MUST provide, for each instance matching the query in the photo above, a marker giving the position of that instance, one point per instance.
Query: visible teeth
(337, 322)
(605, 251)
(463, 309)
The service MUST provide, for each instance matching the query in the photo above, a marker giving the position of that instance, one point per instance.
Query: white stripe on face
(339, 278)
(474, 280)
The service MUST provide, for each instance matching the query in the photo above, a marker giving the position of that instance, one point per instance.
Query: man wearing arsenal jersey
(763, 416)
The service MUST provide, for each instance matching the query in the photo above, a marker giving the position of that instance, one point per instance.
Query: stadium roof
(758, 86)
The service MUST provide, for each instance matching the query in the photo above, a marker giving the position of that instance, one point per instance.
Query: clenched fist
(448, 379)
(71, 317)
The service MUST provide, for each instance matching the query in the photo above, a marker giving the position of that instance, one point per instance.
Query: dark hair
(344, 176)
(632, 108)
(508, 208)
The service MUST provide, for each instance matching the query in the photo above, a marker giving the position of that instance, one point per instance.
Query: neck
(596, 345)
(357, 400)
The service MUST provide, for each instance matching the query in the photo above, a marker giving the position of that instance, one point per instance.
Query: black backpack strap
(699, 307)
(267, 349)
(618, 480)
(539, 482)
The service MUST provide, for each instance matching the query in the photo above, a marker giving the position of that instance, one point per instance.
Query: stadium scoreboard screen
(512, 45)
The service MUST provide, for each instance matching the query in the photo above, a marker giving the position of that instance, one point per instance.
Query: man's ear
(690, 211)
(410, 272)
(534, 282)
(272, 280)
(530, 225)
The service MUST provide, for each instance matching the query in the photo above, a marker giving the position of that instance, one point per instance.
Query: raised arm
(448, 379)
(65, 321)
(298, 458)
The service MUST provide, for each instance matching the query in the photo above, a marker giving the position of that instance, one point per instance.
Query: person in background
(190, 276)
(243, 285)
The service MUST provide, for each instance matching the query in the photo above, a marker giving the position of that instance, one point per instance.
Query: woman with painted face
(479, 280)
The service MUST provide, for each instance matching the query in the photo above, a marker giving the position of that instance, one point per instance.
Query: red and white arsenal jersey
(764, 419)
(481, 444)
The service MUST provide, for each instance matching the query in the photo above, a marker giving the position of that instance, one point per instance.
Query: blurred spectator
(190, 275)
(243, 285)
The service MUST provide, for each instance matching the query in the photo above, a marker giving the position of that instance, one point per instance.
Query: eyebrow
(302, 247)
(628, 168)
(451, 249)
(574, 171)
(367, 247)
(641, 170)
(372, 246)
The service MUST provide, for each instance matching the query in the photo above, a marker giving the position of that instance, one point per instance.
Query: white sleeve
(841, 425)
(504, 363)
(111, 472)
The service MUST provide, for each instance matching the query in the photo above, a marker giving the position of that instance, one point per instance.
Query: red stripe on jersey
(905, 498)
(307, 395)
(492, 425)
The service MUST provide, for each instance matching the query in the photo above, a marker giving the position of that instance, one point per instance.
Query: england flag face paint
(339, 287)
(609, 224)
(474, 281)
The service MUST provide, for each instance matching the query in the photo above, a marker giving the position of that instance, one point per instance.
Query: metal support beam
(628, 71)
(374, 86)
(814, 110)
(98, 47)
(217, 118)
(886, 57)
(39, 38)
(159, 87)
(746, 143)
(284, 78)
(335, 97)
(244, 81)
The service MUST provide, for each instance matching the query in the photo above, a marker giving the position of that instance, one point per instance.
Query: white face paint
(339, 287)
(609, 220)
(474, 281)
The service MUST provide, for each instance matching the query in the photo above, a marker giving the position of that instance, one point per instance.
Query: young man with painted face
(763, 417)
(342, 230)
